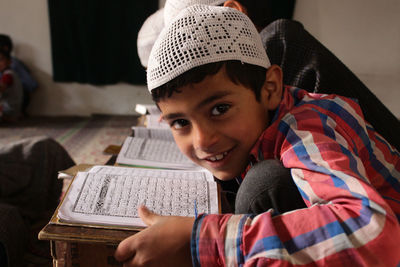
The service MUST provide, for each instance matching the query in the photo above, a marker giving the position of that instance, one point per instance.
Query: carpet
(85, 138)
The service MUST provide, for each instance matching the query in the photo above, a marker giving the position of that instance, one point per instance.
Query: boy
(28, 83)
(10, 89)
(227, 109)
(305, 62)
(308, 64)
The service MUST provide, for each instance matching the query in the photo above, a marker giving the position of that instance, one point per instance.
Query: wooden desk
(81, 246)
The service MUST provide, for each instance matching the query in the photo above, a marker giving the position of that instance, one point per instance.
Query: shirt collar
(264, 148)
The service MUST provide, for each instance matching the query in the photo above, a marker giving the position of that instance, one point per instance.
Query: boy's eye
(220, 109)
(178, 124)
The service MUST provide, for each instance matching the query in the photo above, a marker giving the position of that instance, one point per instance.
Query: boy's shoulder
(302, 99)
(301, 107)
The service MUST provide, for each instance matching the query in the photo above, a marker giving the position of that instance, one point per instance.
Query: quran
(111, 195)
(153, 147)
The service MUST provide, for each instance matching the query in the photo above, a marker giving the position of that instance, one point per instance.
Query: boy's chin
(224, 176)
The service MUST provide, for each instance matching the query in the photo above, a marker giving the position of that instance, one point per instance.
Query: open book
(150, 147)
(110, 195)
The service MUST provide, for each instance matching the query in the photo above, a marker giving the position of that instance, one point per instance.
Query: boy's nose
(204, 138)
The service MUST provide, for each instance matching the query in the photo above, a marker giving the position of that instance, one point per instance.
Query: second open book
(153, 147)
(110, 195)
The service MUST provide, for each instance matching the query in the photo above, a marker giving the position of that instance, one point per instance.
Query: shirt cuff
(194, 241)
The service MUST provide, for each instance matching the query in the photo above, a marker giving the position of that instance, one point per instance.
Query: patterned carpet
(85, 138)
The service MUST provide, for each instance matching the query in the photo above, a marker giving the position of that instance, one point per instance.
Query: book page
(113, 199)
(153, 121)
(153, 133)
(201, 174)
(153, 153)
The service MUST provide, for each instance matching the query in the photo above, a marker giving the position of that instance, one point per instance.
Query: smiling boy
(229, 111)
(215, 122)
(305, 61)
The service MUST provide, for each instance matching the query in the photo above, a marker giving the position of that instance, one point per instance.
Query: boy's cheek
(185, 147)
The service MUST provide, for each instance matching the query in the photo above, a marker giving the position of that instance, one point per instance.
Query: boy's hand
(166, 242)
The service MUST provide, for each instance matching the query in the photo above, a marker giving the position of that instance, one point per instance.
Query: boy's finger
(147, 216)
(125, 250)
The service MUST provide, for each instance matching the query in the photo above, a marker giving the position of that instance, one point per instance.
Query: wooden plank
(84, 234)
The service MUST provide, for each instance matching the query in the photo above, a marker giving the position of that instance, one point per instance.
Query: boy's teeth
(218, 157)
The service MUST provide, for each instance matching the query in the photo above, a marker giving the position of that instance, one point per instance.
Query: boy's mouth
(217, 157)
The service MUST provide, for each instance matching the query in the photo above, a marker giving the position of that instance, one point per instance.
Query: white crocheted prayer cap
(202, 34)
(173, 7)
(153, 25)
(148, 34)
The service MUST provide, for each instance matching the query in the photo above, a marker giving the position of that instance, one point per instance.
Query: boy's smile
(216, 123)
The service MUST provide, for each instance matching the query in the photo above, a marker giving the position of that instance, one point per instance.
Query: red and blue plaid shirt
(348, 176)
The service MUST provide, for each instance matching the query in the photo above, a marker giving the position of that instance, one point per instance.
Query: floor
(85, 138)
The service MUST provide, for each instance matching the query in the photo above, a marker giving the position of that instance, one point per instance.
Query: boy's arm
(24, 74)
(166, 241)
(347, 221)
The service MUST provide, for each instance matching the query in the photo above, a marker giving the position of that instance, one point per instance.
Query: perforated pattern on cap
(148, 34)
(173, 7)
(203, 34)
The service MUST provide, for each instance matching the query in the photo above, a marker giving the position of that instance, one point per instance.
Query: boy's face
(216, 123)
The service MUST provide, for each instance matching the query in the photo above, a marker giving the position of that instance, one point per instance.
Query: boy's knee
(268, 184)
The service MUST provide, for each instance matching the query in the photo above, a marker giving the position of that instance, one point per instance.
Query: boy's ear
(271, 93)
(236, 5)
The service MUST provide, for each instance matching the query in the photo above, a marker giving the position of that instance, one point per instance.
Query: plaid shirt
(308, 64)
(348, 176)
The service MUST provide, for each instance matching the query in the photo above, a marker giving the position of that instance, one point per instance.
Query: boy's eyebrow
(212, 98)
(171, 116)
(202, 103)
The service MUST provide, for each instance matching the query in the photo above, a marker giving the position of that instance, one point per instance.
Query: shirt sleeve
(28, 82)
(346, 223)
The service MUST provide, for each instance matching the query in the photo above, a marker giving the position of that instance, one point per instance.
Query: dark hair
(251, 76)
(263, 12)
(5, 40)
